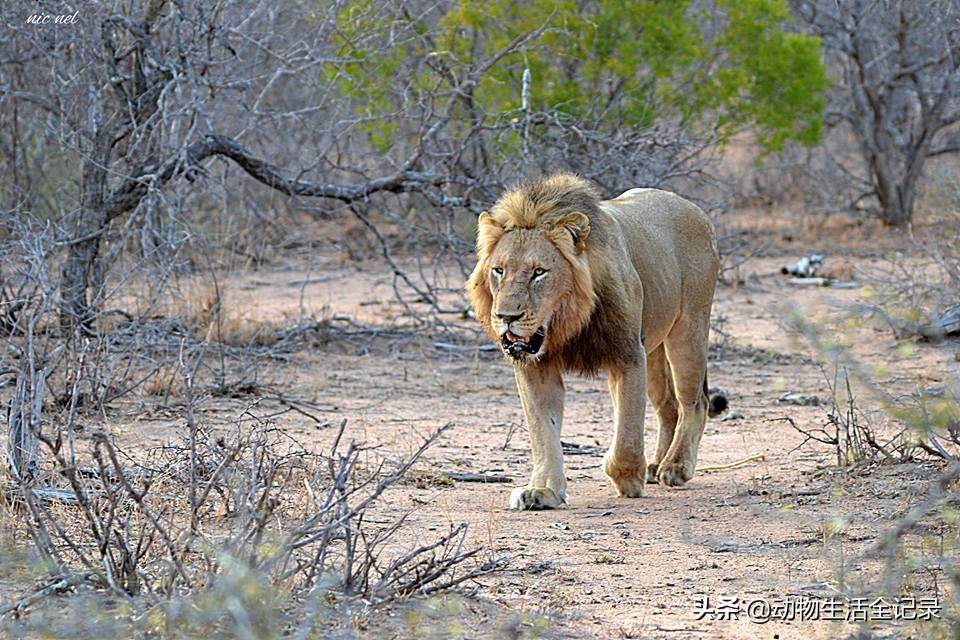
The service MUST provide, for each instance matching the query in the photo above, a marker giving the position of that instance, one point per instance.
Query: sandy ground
(789, 526)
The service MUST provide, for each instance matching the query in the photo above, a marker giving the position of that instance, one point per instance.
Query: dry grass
(164, 383)
(216, 316)
(790, 229)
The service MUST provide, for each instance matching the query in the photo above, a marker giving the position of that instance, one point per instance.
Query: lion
(567, 282)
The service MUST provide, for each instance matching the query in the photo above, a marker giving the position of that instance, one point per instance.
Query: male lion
(567, 282)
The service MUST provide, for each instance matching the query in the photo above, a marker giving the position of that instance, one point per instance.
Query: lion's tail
(716, 403)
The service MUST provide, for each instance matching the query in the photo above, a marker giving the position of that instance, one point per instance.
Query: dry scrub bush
(858, 437)
(240, 530)
(234, 531)
(920, 549)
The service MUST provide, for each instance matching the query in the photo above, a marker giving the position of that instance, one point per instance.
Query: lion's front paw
(629, 486)
(652, 469)
(628, 479)
(674, 474)
(535, 498)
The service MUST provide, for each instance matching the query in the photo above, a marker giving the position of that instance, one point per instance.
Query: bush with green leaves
(713, 66)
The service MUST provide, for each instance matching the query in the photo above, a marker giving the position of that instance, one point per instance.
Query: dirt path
(788, 526)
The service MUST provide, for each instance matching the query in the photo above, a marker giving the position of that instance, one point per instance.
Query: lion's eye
(497, 271)
(538, 272)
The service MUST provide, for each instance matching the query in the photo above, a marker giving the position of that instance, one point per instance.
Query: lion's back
(657, 222)
(671, 243)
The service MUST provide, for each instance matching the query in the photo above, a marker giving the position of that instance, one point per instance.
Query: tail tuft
(718, 404)
(716, 399)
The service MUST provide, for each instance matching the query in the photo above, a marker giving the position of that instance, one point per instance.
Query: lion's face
(528, 281)
(531, 287)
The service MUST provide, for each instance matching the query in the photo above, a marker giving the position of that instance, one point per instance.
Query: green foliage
(725, 65)
(774, 79)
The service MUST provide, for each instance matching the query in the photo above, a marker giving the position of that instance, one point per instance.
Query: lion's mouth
(513, 345)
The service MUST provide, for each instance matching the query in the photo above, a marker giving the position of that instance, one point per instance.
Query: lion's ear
(578, 226)
(486, 220)
(488, 233)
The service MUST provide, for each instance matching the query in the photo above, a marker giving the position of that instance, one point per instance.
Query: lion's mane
(591, 328)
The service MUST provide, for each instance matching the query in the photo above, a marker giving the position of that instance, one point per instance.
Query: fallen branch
(59, 495)
(758, 457)
(575, 449)
(465, 347)
(944, 325)
(39, 594)
(825, 282)
(475, 477)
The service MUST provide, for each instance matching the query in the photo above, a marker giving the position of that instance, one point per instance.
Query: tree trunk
(895, 193)
(895, 212)
(78, 273)
(23, 428)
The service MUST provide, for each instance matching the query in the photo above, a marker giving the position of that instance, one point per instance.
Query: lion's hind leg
(686, 351)
(664, 401)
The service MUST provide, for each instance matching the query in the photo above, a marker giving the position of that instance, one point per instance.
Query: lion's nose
(510, 317)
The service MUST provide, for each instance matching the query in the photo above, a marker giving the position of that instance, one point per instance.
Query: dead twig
(757, 457)
(458, 476)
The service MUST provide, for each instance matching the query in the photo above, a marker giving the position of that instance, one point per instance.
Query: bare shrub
(234, 504)
(918, 549)
(241, 504)
(853, 432)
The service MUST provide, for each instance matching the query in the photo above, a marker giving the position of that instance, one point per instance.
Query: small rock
(600, 514)
(733, 415)
(799, 399)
